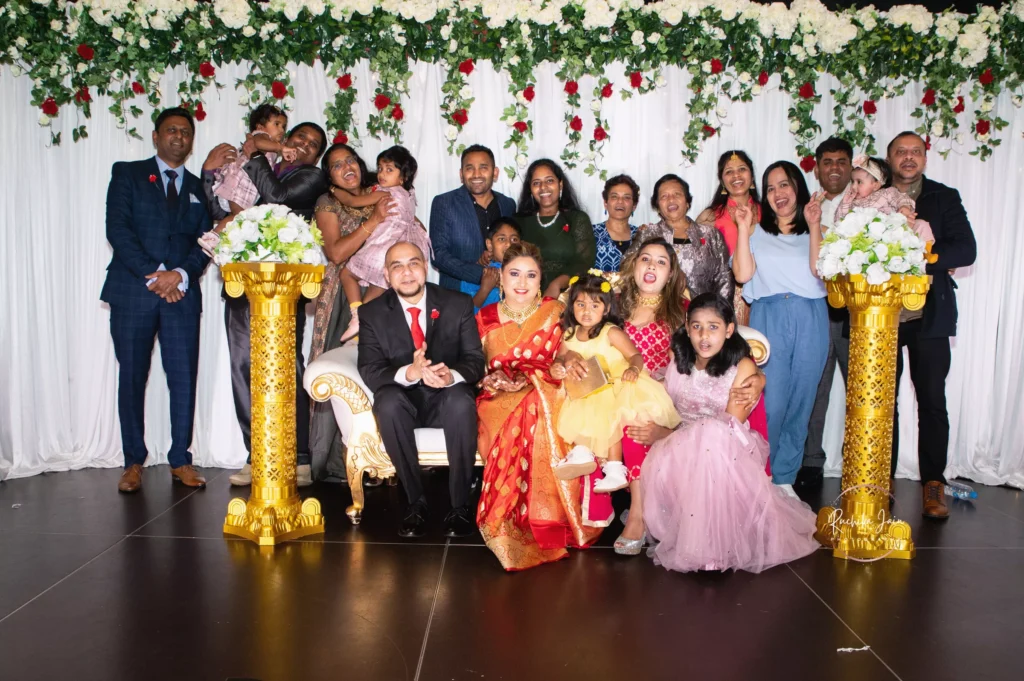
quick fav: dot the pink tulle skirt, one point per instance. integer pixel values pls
(710, 506)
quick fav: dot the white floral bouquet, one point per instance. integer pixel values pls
(871, 243)
(269, 233)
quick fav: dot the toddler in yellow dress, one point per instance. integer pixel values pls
(594, 423)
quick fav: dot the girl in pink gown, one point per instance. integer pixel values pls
(707, 501)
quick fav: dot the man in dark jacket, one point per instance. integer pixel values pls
(297, 185)
(926, 334)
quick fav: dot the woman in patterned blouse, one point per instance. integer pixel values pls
(613, 236)
(701, 249)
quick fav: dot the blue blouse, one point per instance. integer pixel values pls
(783, 266)
(609, 257)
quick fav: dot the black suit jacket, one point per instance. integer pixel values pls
(144, 234)
(954, 244)
(385, 343)
(298, 189)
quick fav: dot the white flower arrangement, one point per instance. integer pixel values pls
(270, 233)
(873, 244)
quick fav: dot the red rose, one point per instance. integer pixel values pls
(576, 124)
(599, 134)
(869, 107)
(807, 163)
(50, 107)
(152, 178)
(521, 126)
(703, 241)
(345, 81)
(85, 52)
(762, 78)
(716, 67)
(381, 102)
(397, 112)
(982, 126)
(138, 88)
(341, 138)
(528, 93)
(807, 90)
(927, 142)
(460, 117)
(986, 77)
(959, 108)
(636, 79)
(565, 228)
(466, 67)
(606, 91)
(200, 113)
(709, 131)
(83, 95)
(572, 87)
(434, 314)
(929, 98)
(278, 89)
(206, 70)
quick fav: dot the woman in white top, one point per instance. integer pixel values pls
(775, 260)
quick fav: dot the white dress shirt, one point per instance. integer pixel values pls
(422, 307)
(828, 211)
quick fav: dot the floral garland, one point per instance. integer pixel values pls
(74, 51)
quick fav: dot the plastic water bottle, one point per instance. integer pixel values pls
(959, 490)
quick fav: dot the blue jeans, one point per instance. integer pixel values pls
(797, 329)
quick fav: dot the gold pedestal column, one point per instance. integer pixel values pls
(862, 527)
(274, 512)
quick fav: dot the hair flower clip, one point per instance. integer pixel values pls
(573, 280)
(596, 272)
(606, 287)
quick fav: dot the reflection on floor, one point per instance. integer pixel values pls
(96, 585)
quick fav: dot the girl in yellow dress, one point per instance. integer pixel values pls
(594, 423)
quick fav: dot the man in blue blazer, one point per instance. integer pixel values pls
(155, 212)
(459, 219)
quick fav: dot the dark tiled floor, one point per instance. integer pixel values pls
(94, 585)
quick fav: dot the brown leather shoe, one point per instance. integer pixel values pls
(188, 476)
(934, 494)
(131, 479)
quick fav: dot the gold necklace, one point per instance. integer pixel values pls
(518, 316)
(649, 301)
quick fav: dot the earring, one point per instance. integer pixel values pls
(501, 291)
(724, 192)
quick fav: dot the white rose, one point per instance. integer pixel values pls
(311, 256)
(855, 262)
(451, 133)
(21, 42)
(986, 106)
(465, 92)
(249, 31)
(756, 89)
(876, 229)
(898, 264)
(744, 78)
(959, 138)
(828, 267)
(446, 32)
(522, 161)
(144, 43)
(881, 252)
(876, 274)
(244, 100)
(654, 38)
(453, 46)
(637, 38)
(514, 61)
(73, 26)
(839, 248)
(706, 67)
(280, 38)
(660, 81)
(521, 98)
(154, 75)
(937, 128)
(794, 126)
(81, 67)
(44, 119)
(55, 25)
(595, 105)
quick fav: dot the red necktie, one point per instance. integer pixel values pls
(417, 332)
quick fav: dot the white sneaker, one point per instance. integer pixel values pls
(242, 477)
(788, 491)
(304, 475)
(578, 462)
(614, 478)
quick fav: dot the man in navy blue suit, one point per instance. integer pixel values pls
(459, 219)
(155, 213)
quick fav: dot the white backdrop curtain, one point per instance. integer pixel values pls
(57, 368)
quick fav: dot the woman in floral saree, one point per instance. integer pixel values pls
(526, 515)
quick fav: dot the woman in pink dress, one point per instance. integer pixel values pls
(706, 499)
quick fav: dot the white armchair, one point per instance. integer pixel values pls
(334, 376)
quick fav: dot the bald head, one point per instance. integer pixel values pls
(405, 268)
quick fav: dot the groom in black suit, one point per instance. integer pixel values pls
(155, 212)
(420, 354)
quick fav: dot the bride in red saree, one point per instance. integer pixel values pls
(527, 516)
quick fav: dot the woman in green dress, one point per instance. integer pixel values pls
(550, 217)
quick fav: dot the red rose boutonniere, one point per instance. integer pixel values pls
(152, 178)
(434, 314)
(565, 228)
(703, 241)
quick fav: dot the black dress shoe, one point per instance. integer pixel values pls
(809, 477)
(459, 523)
(414, 523)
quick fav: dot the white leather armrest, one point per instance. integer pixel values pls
(334, 376)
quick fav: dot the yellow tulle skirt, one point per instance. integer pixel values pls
(596, 421)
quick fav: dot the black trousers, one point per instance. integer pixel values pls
(236, 322)
(929, 360)
(401, 410)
